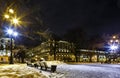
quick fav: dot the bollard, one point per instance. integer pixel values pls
(53, 68)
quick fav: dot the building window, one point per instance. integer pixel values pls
(2, 41)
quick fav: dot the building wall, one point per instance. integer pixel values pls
(4, 59)
(65, 51)
(92, 56)
(5, 49)
(58, 50)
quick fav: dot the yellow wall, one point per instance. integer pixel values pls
(4, 58)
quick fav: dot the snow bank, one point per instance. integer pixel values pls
(19, 71)
(55, 74)
(49, 63)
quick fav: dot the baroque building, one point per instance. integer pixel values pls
(58, 50)
(65, 51)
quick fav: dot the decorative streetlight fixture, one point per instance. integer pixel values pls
(114, 43)
(11, 35)
(15, 21)
(114, 46)
(9, 14)
(11, 17)
(11, 11)
(6, 16)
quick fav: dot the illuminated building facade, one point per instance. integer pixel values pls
(85, 55)
(58, 50)
(65, 51)
(5, 49)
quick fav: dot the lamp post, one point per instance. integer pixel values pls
(11, 34)
(10, 16)
(114, 45)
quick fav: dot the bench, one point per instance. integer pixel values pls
(47, 66)
(29, 63)
(43, 65)
(34, 64)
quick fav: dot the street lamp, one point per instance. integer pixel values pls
(11, 17)
(114, 43)
(6, 16)
(11, 11)
(113, 47)
(15, 21)
(11, 34)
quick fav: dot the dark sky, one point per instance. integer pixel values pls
(95, 16)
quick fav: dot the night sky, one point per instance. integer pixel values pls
(94, 16)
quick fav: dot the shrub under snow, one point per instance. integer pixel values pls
(19, 71)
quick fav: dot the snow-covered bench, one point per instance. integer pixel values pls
(51, 65)
(44, 65)
(29, 63)
(32, 64)
(48, 65)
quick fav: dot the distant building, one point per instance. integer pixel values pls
(85, 55)
(58, 50)
(65, 51)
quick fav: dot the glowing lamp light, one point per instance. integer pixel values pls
(10, 31)
(15, 34)
(113, 47)
(6, 16)
(11, 11)
(111, 41)
(116, 40)
(15, 21)
(114, 37)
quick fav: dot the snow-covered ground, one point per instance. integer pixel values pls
(19, 71)
(90, 71)
(63, 71)
(85, 71)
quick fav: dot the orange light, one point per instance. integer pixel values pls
(114, 36)
(11, 11)
(6, 16)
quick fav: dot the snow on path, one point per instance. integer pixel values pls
(90, 71)
(85, 71)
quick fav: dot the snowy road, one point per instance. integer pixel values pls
(90, 71)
